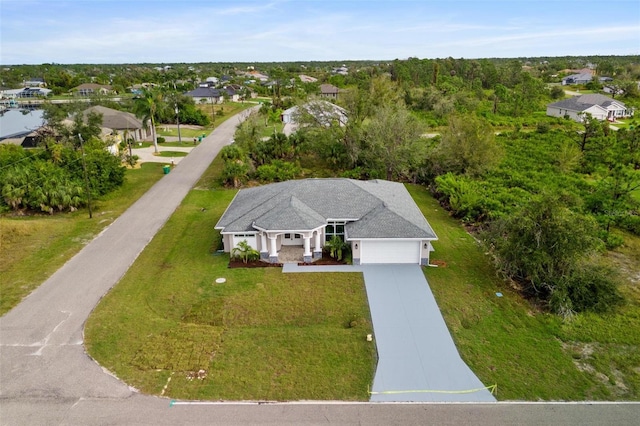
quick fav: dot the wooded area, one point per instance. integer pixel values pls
(547, 195)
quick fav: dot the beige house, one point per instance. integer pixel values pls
(90, 89)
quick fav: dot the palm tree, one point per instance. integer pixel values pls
(146, 108)
(245, 252)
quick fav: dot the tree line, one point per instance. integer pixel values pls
(544, 194)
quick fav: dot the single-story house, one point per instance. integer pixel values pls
(90, 89)
(581, 78)
(16, 124)
(35, 82)
(599, 106)
(307, 79)
(121, 121)
(329, 91)
(324, 112)
(206, 95)
(25, 92)
(343, 70)
(378, 218)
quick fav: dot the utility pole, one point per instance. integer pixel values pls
(178, 121)
(86, 177)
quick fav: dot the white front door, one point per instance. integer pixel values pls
(292, 239)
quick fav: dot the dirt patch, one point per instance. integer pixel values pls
(439, 263)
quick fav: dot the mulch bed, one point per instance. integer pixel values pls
(253, 264)
(325, 260)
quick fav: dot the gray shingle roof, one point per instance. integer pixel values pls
(114, 119)
(583, 102)
(204, 92)
(378, 208)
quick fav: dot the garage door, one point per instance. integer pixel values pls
(389, 252)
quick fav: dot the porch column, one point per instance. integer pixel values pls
(307, 247)
(264, 250)
(273, 252)
(317, 250)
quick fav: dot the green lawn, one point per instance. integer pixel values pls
(172, 154)
(33, 247)
(529, 354)
(186, 133)
(262, 335)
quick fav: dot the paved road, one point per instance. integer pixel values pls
(47, 379)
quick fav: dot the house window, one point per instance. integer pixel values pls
(334, 228)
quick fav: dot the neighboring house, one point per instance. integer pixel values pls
(34, 82)
(378, 218)
(582, 78)
(231, 94)
(15, 125)
(324, 112)
(26, 92)
(121, 121)
(90, 89)
(343, 70)
(138, 89)
(206, 95)
(329, 91)
(599, 106)
(307, 79)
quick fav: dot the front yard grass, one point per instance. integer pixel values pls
(261, 335)
(531, 355)
(34, 247)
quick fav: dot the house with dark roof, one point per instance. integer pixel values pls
(329, 91)
(580, 78)
(599, 106)
(206, 95)
(378, 218)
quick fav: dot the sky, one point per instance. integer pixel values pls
(189, 31)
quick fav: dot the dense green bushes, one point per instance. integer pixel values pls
(53, 180)
(545, 219)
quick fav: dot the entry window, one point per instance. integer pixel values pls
(334, 228)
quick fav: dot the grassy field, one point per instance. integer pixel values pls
(185, 132)
(167, 328)
(33, 247)
(530, 354)
(228, 109)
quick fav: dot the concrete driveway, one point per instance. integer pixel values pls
(418, 360)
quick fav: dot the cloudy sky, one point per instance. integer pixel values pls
(169, 31)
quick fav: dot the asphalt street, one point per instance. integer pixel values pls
(46, 378)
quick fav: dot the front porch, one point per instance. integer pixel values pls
(291, 254)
